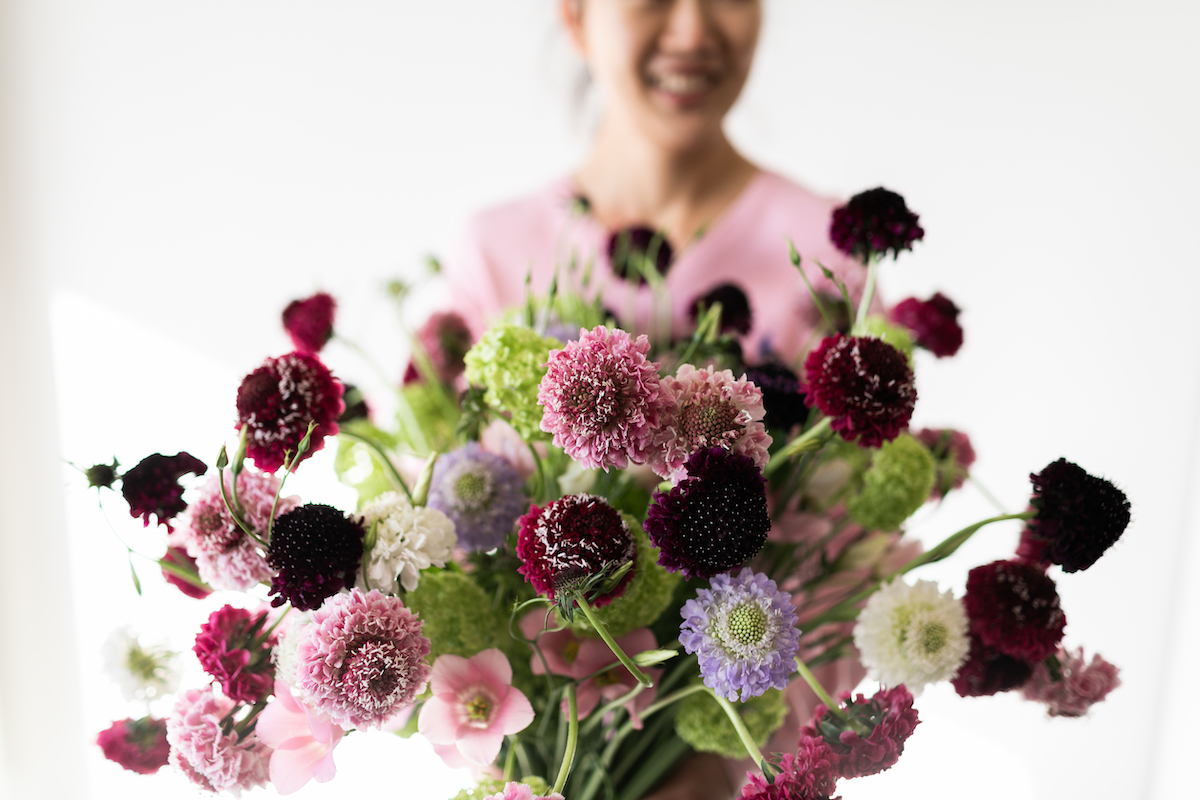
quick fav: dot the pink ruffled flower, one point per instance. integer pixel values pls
(809, 774)
(710, 409)
(602, 399)
(1082, 684)
(231, 648)
(303, 740)
(889, 717)
(521, 791)
(474, 705)
(138, 745)
(209, 753)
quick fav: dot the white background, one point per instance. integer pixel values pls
(177, 170)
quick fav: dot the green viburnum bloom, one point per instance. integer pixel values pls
(702, 723)
(509, 361)
(491, 786)
(897, 336)
(897, 483)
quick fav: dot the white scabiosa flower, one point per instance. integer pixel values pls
(913, 635)
(143, 669)
(402, 541)
(284, 653)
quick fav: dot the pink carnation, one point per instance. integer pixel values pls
(710, 409)
(1081, 685)
(810, 774)
(138, 745)
(521, 791)
(231, 647)
(602, 399)
(888, 716)
(208, 752)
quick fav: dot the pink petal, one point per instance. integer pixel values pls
(439, 720)
(494, 668)
(514, 714)
(277, 723)
(325, 769)
(482, 745)
(586, 698)
(321, 728)
(451, 674)
(291, 769)
(283, 694)
(398, 720)
(450, 755)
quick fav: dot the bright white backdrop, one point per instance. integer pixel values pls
(180, 169)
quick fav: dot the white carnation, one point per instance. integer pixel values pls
(913, 635)
(142, 668)
(285, 651)
(407, 540)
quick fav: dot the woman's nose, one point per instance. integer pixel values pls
(688, 28)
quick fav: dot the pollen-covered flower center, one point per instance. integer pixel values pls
(747, 624)
(473, 489)
(479, 708)
(145, 666)
(593, 402)
(710, 421)
(374, 675)
(932, 637)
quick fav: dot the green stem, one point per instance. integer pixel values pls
(742, 732)
(597, 716)
(267, 633)
(864, 303)
(834, 706)
(233, 511)
(812, 293)
(572, 737)
(626, 661)
(510, 760)
(811, 439)
(381, 457)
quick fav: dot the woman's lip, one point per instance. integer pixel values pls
(682, 88)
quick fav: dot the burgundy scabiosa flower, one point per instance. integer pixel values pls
(889, 717)
(1076, 687)
(1014, 607)
(809, 774)
(316, 549)
(864, 384)
(571, 540)
(138, 745)
(232, 648)
(178, 556)
(988, 671)
(152, 487)
(783, 398)
(277, 401)
(1079, 516)
(874, 223)
(362, 658)
(952, 457)
(310, 322)
(736, 316)
(714, 519)
(602, 399)
(632, 250)
(445, 339)
(934, 323)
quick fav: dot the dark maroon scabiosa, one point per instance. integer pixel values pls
(179, 557)
(231, 647)
(736, 316)
(356, 405)
(934, 323)
(152, 487)
(1014, 607)
(138, 745)
(952, 457)
(714, 519)
(310, 322)
(864, 384)
(1079, 516)
(570, 541)
(889, 718)
(277, 401)
(317, 550)
(988, 671)
(445, 339)
(874, 223)
(632, 250)
(102, 476)
(783, 398)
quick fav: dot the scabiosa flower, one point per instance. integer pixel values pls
(316, 550)
(1079, 516)
(276, 402)
(509, 362)
(102, 476)
(482, 493)
(445, 339)
(407, 540)
(138, 745)
(207, 752)
(232, 649)
(714, 519)
(710, 409)
(152, 487)
(310, 322)
(988, 671)
(934, 322)
(702, 723)
(362, 659)
(736, 316)
(179, 557)
(864, 384)
(302, 739)
(1076, 688)
(602, 399)
(810, 774)
(142, 668)
(744, 633)
(226, 558)
(1014, 608)
(782, 397)
(896, 484)
(632, 250)
(874, 223)
(913, 635)
(889, 716)
(952, 457)
(570, 540)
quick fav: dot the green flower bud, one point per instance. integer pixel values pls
(509, 362)
(897, 483)
(702, 723)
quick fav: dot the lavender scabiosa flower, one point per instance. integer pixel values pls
(744, 632)
(481, 493)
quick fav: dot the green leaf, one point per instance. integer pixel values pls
(137, 584)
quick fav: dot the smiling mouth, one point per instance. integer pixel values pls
(682, 83)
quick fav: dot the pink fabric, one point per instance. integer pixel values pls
(746, 246)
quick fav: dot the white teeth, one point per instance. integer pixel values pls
(681, 84)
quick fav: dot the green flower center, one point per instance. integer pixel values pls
(747, 624)
(472, 489)
(145, 666)
(478, 709)
(932, 637)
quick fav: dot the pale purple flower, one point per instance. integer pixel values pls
(208, 753)
(481, 493)
(744, 633)
(1081, 685)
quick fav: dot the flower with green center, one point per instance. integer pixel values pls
(143, 669)
(702, 723)
(481, 492)
(897, 483)
(509, 361)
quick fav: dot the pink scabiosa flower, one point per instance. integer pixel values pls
(874, 223)
(1014, 608)
(276, 402)
(1077, 686)
(521, 791)
(889, 717)
(310, 322)
(934, 323)
(206, 748)
(316, 550)
(952, 457)
(1079, 516)
(138, 745)
(809, 774)
(362, 659)
(864, 384)
(987, 671)
(303, 741)
(474, 705)
(602, 399)
(152, 487)
(445, 339)
(710, 409)
(232, 647)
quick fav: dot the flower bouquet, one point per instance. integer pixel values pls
(581, 555)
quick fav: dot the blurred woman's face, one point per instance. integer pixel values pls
(673, 68)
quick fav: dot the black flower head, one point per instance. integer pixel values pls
(316, 550)
(714, 519)
(864, 384)
(736, 316)
(152, 487)
(988, 671)
(783, 398)
(1079, 516)
(632, 250)
(873, 224)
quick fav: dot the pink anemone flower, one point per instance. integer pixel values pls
(303, 740)
(474, 705)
